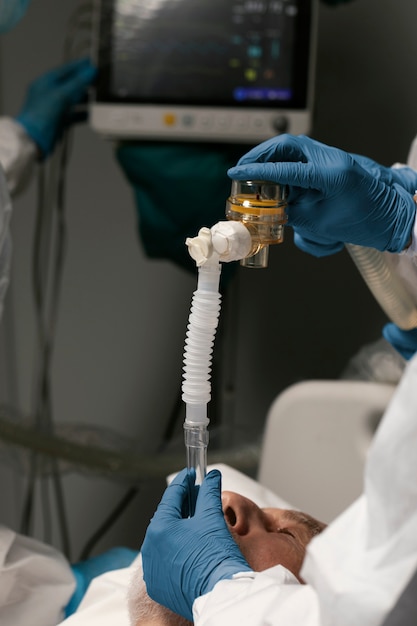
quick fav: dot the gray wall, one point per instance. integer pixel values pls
(120, 336)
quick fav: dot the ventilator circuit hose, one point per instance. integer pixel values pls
(201, 330)
(385, 285)
(196, 388)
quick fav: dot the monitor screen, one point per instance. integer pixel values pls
(238, 70)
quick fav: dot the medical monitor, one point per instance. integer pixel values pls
(203, 70)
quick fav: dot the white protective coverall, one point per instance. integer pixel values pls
(36, 581)
(17, 156)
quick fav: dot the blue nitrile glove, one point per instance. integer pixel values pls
(404, 341)
(49, 101)
(85, 571)
(11, 12)
(404, 176)
(334, 197)
(178, 188)
(183, 557)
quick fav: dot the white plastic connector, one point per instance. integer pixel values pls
(229, 240)
(200, 248)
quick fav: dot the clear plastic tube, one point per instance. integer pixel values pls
(385, 285)
(196, 389)
(196, 439)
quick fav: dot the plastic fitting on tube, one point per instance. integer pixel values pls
(261, 207)
(196, 438)
(256, 215)
(230, 241)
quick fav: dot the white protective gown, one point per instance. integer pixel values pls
(17, 156)
(36, 581)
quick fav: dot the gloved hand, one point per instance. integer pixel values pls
(49, 100)
(85, 571)
(335, 197)
(11, 12)
(404, 341)
(404, 176)
(183, 557)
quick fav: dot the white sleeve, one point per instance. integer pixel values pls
(270, 598)
(362, 563)
(17, 154)
(36, 581)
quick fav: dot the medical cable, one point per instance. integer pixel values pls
(48, 260)
(196, 388)
(125, 466)
(78, 38)
(108, 523)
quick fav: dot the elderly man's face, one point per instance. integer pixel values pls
(268, 537)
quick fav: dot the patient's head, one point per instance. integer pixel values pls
(266, 537)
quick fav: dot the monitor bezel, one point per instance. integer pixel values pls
(108, 110)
